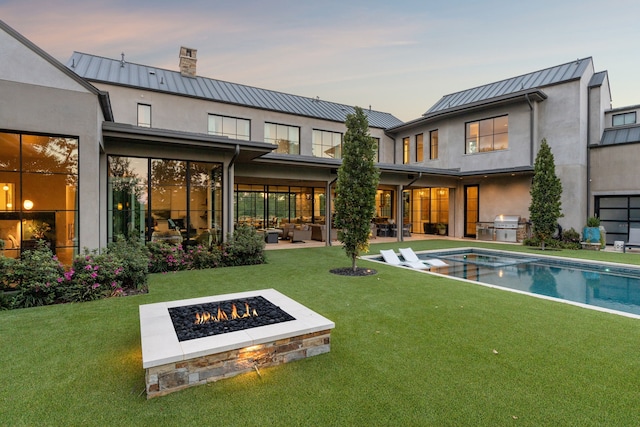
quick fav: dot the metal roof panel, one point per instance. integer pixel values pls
(536, 79)
(115, 71)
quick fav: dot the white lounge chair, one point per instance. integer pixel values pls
(391, 258)
(634, 239)
(410, 256)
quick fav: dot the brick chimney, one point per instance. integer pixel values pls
(188, 61)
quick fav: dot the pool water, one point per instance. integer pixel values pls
(606, 286)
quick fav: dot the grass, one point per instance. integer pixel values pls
(408, 349)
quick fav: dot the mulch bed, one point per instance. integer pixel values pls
(348, 271)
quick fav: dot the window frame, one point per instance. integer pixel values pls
(233, 135)
(406, 150)
(276, 139)
(419, 147)
(433, 146)
(139, 119)
(484, 135)
(322, 146)
(624, 119)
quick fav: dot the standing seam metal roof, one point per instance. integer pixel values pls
(114, 71)
(549, 76)
(623, 135)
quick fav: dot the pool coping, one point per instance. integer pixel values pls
(372, 258)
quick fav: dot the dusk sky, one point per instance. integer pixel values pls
(398, 56)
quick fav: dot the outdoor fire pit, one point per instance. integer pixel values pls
(195, 341)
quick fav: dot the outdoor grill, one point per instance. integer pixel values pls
(506, 228)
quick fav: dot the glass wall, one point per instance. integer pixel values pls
(617, 214)
(38, 193)
(429, 210)
(165, 200)
(263, 206)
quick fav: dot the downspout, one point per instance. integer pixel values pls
(531, 156)
(401, 219)
(236, 153)
(328, 211)
(588, 154)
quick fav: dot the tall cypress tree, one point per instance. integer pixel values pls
(546, 190)
(356, 187)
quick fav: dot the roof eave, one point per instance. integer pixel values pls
(536, 95)
(249, 150)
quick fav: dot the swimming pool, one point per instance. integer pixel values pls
(601, 286)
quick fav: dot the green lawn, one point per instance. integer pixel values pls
(408, 350)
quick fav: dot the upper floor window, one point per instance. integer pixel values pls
(405, 150)
(433, 151)
(287, 138)
(327, 144)
(487, 135)
(419, 148)
(230, 126)
(624, 119)
(144, 115)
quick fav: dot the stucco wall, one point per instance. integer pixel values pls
(69, 113)
(614, 169)
(191, 115)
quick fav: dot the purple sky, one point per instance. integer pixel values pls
(399, 57)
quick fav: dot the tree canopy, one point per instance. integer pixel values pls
(546, 191)
(356, 187)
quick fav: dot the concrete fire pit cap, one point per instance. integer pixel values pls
(160, 343)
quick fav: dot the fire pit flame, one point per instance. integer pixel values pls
(205, 317)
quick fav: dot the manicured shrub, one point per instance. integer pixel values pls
(200, 257)
(134, 256)
(570, 239)
(7, 268)
(92, 276)
(244, 247)
(37, 277)
(164, 257)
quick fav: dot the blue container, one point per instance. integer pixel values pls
(591, 234)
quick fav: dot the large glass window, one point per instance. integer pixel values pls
(38, 193)
(287, 138)
(262, 206)
(185, 202)
(487, 135)
(230, 126)
(433, 149)
(624, 119)
(419, 148)
(429, 210)
(327, 144)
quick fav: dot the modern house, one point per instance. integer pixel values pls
(103, 147)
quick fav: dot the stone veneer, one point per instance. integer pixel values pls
(172, 365)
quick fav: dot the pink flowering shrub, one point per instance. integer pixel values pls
(165, 257)
(92, 276)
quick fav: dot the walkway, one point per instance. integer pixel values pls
(285, 244)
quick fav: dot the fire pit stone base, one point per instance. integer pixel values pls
(165, 379)
(171, 365)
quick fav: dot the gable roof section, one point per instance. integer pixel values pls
(537, 79)
(103, 97)
(119, 72)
